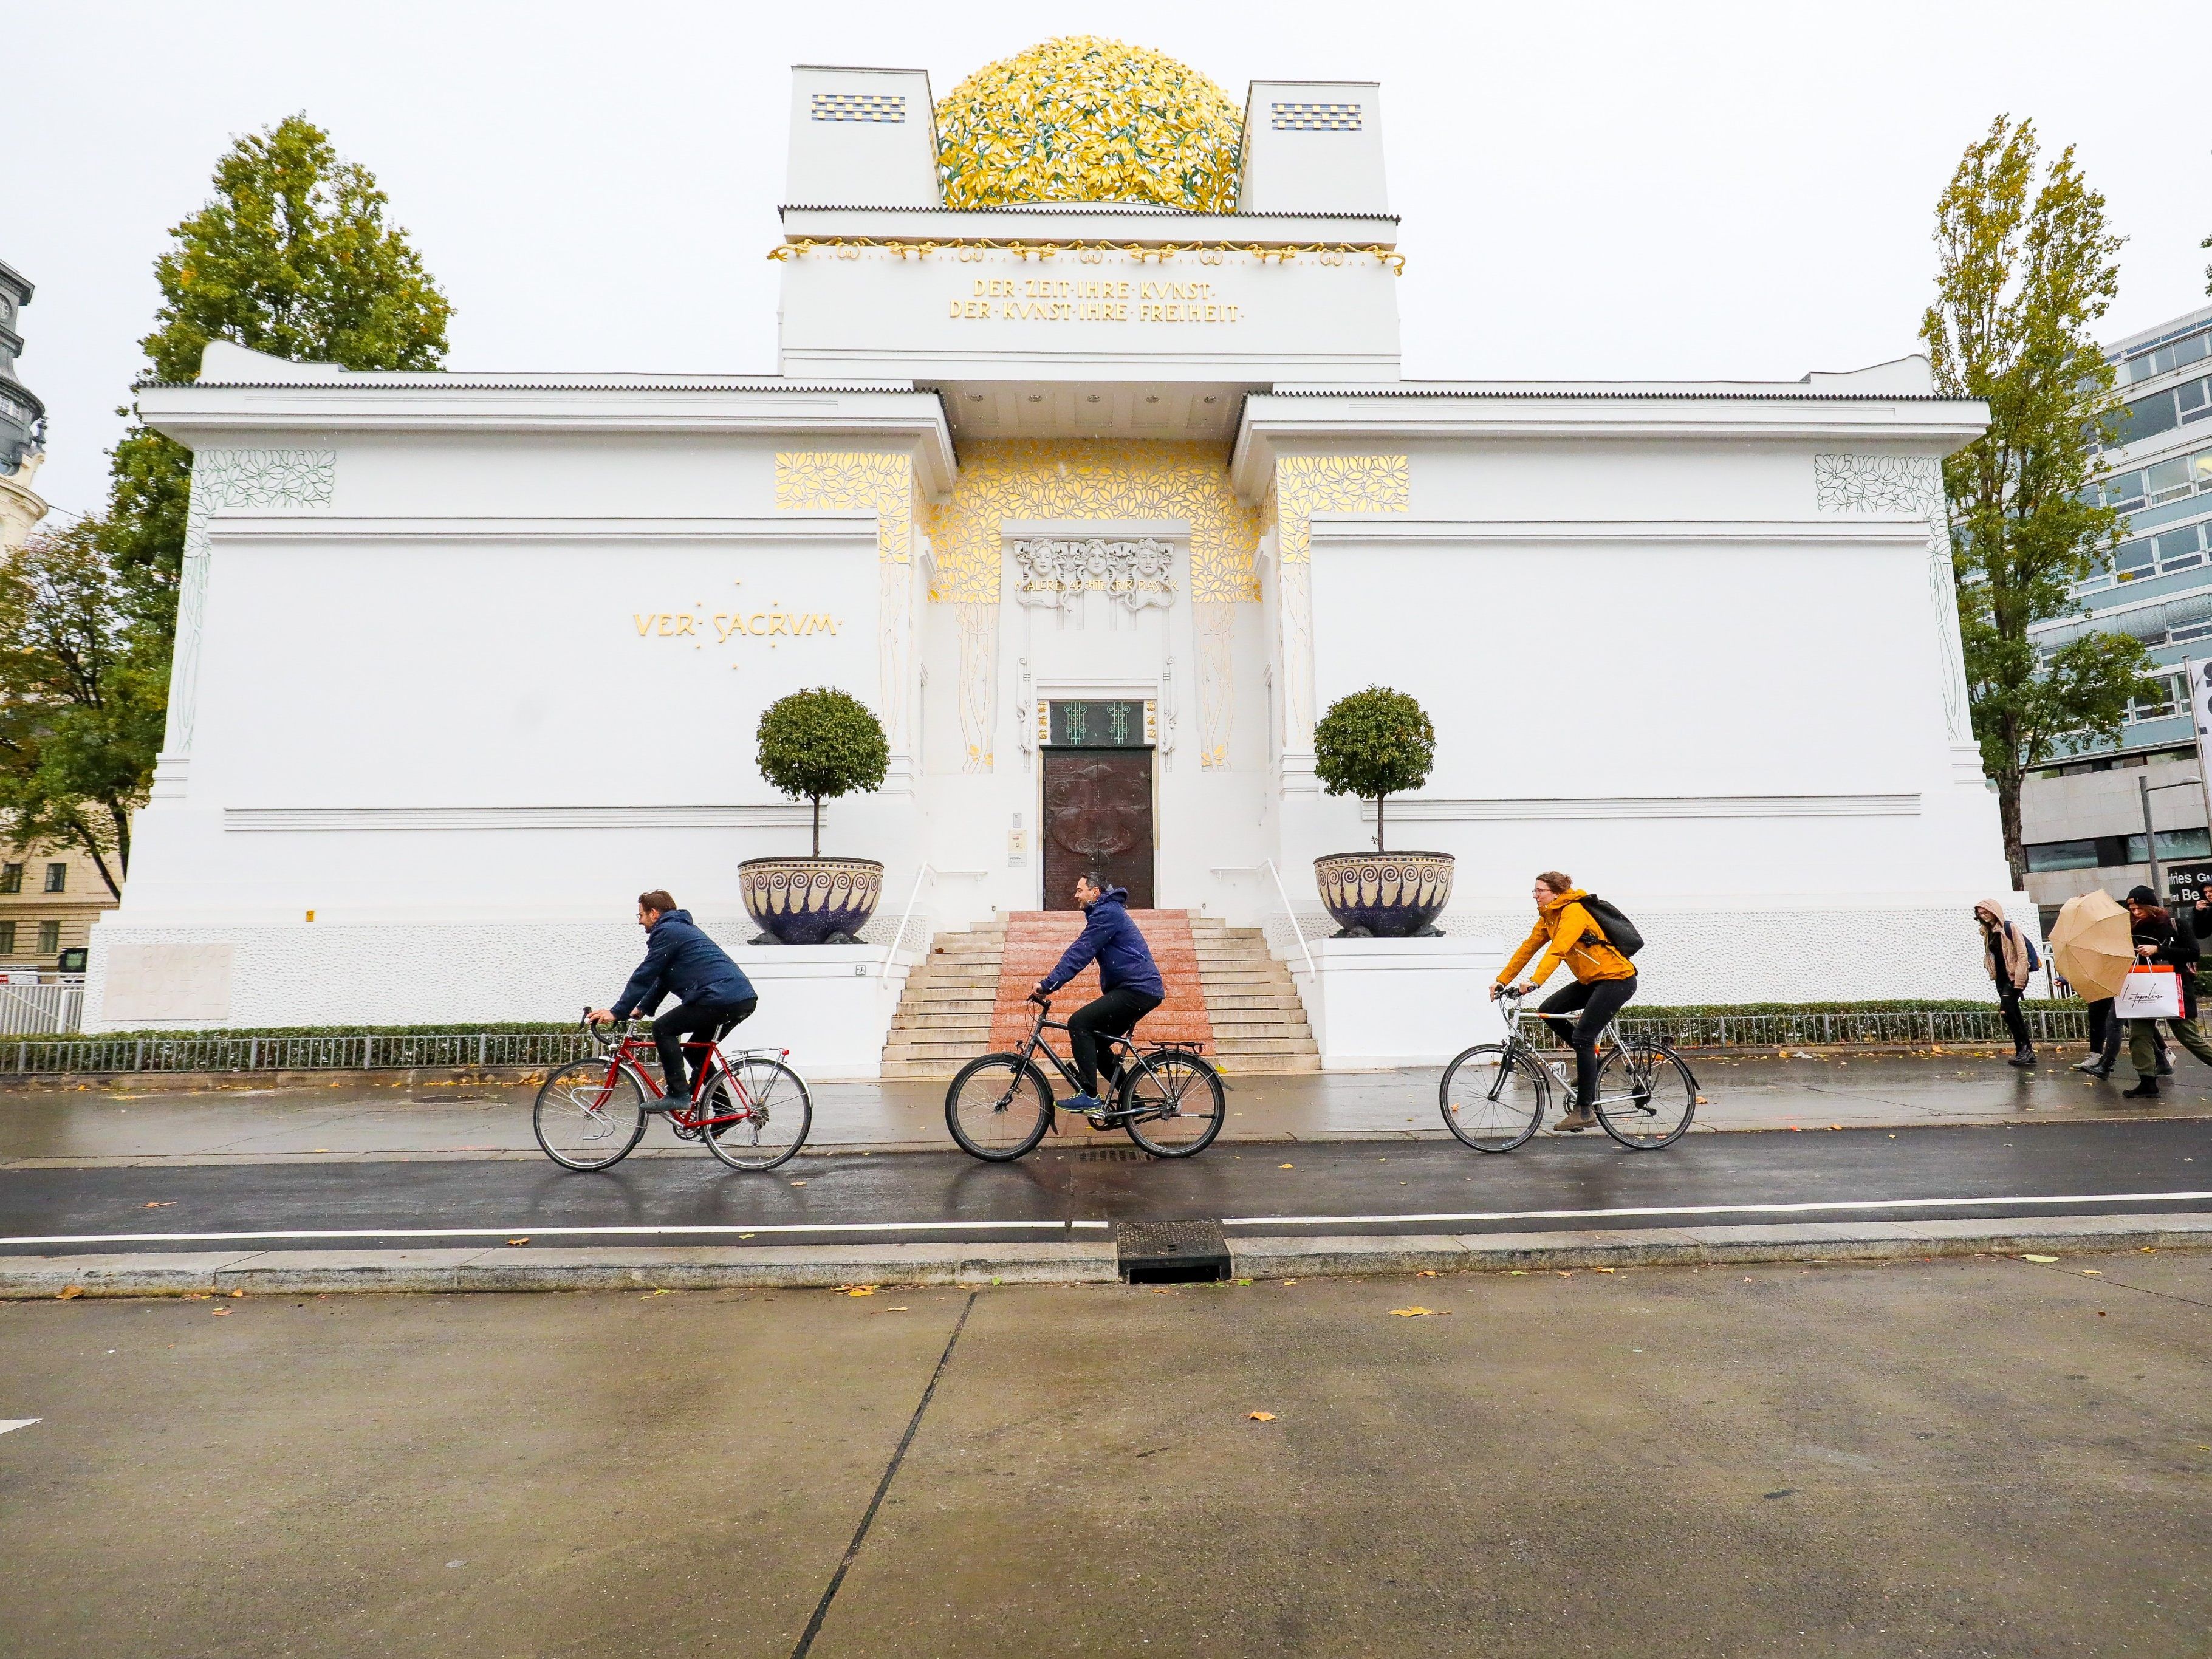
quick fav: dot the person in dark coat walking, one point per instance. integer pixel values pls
(2159, 943)
(712, 992)
(1128, 981)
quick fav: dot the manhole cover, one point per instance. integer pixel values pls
(1171, 1252)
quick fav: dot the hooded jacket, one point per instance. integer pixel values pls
(1125, 961)
(2003, 940)
(1572, 936)
(681, 961)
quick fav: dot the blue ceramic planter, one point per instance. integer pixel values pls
(1384, 895)
(808, 901)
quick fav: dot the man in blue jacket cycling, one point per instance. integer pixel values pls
(710, 990)
(1128, 977)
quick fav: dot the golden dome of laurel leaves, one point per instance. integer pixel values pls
(1084, 119)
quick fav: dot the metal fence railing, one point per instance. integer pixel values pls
(1811, 1031)
(294, 1053)
(51, 1056)
(32, 1006)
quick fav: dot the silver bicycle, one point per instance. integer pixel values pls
(1494, 1096)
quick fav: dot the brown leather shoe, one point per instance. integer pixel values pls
(1576, 1120)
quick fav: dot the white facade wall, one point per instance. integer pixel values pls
(456, 671)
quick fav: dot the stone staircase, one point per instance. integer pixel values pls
(943, 1018)
(1258, 1022)
(1250, 1014)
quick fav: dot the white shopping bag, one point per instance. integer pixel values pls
(2149, 993)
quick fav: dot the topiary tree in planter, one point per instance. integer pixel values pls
(817, 745)
(1373, 744)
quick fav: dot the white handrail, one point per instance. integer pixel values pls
(1297, 931)
(899, 937)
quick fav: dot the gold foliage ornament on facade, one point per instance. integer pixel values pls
(1084, 119)
(970, 250)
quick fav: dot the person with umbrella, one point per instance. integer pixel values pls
(2091, 944)
(2159, 945)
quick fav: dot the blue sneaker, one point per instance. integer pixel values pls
(1082, 1103)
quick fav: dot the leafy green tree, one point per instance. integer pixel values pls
(2025, 267)
(292, 256)
(1374, 743)
(80, 714)
(820, 744)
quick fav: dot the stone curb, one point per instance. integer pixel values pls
(715, 1266)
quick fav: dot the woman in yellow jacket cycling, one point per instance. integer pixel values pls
(1604, 981)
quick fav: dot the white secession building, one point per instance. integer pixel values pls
(465, 660)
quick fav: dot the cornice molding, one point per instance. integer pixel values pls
(1856, 531)
(260, 819)
(1418, 809)
(249, 525)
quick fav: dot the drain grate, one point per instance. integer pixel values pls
(1112, 1155)
(1171, 1252)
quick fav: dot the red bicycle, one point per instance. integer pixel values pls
(749, 1106)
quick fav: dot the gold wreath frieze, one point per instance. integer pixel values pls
(969, 249)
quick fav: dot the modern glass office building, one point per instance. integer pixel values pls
(2082, 819)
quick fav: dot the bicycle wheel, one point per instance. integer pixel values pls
(767, 1123)
(1493, 1097)
(589, 1114)
(1180, 1097)
(998, 1108)
(1645, 1096)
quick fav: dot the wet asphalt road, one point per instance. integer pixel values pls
(1368, 1187)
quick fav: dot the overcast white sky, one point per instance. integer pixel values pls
(1722, 191)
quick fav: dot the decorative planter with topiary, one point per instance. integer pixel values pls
(1375, 743)
(817, 745)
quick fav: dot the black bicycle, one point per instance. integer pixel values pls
(1171, 1100)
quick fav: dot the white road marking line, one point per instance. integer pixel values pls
(533, 1231)
(1705, 1209)
(8, 1425)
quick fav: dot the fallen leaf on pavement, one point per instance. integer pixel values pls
(219, 1312)
(161, 1204)
(798, 1183)
(2094, 1272)
(1288, 1282)
(658, 1290)
(1290, 1166)
(898, 1310)
(518, 1241)
(238, 1292)
(2039, 1258)
(1608, 1270)
(1427, 1272)
(1263, 1416)
(69, 1293)
(856, 1290)
(1409, 1313)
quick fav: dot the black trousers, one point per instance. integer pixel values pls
(2014, 1021)
(1115, 1014)
(1599, 1000)
(698, 1020)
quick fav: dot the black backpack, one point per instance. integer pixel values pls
(1619, 931)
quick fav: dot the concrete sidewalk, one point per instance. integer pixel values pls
(1944, 1458)
(135, 1122)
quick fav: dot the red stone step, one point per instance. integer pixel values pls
(1036, 939)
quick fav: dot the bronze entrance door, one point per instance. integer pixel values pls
(1098, 815)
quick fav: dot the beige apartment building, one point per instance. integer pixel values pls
(49, 898)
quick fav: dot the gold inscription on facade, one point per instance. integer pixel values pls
(1092, 300)
(727, 625)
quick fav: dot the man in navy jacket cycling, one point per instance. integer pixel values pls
(1127, 976)
(710, 990)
